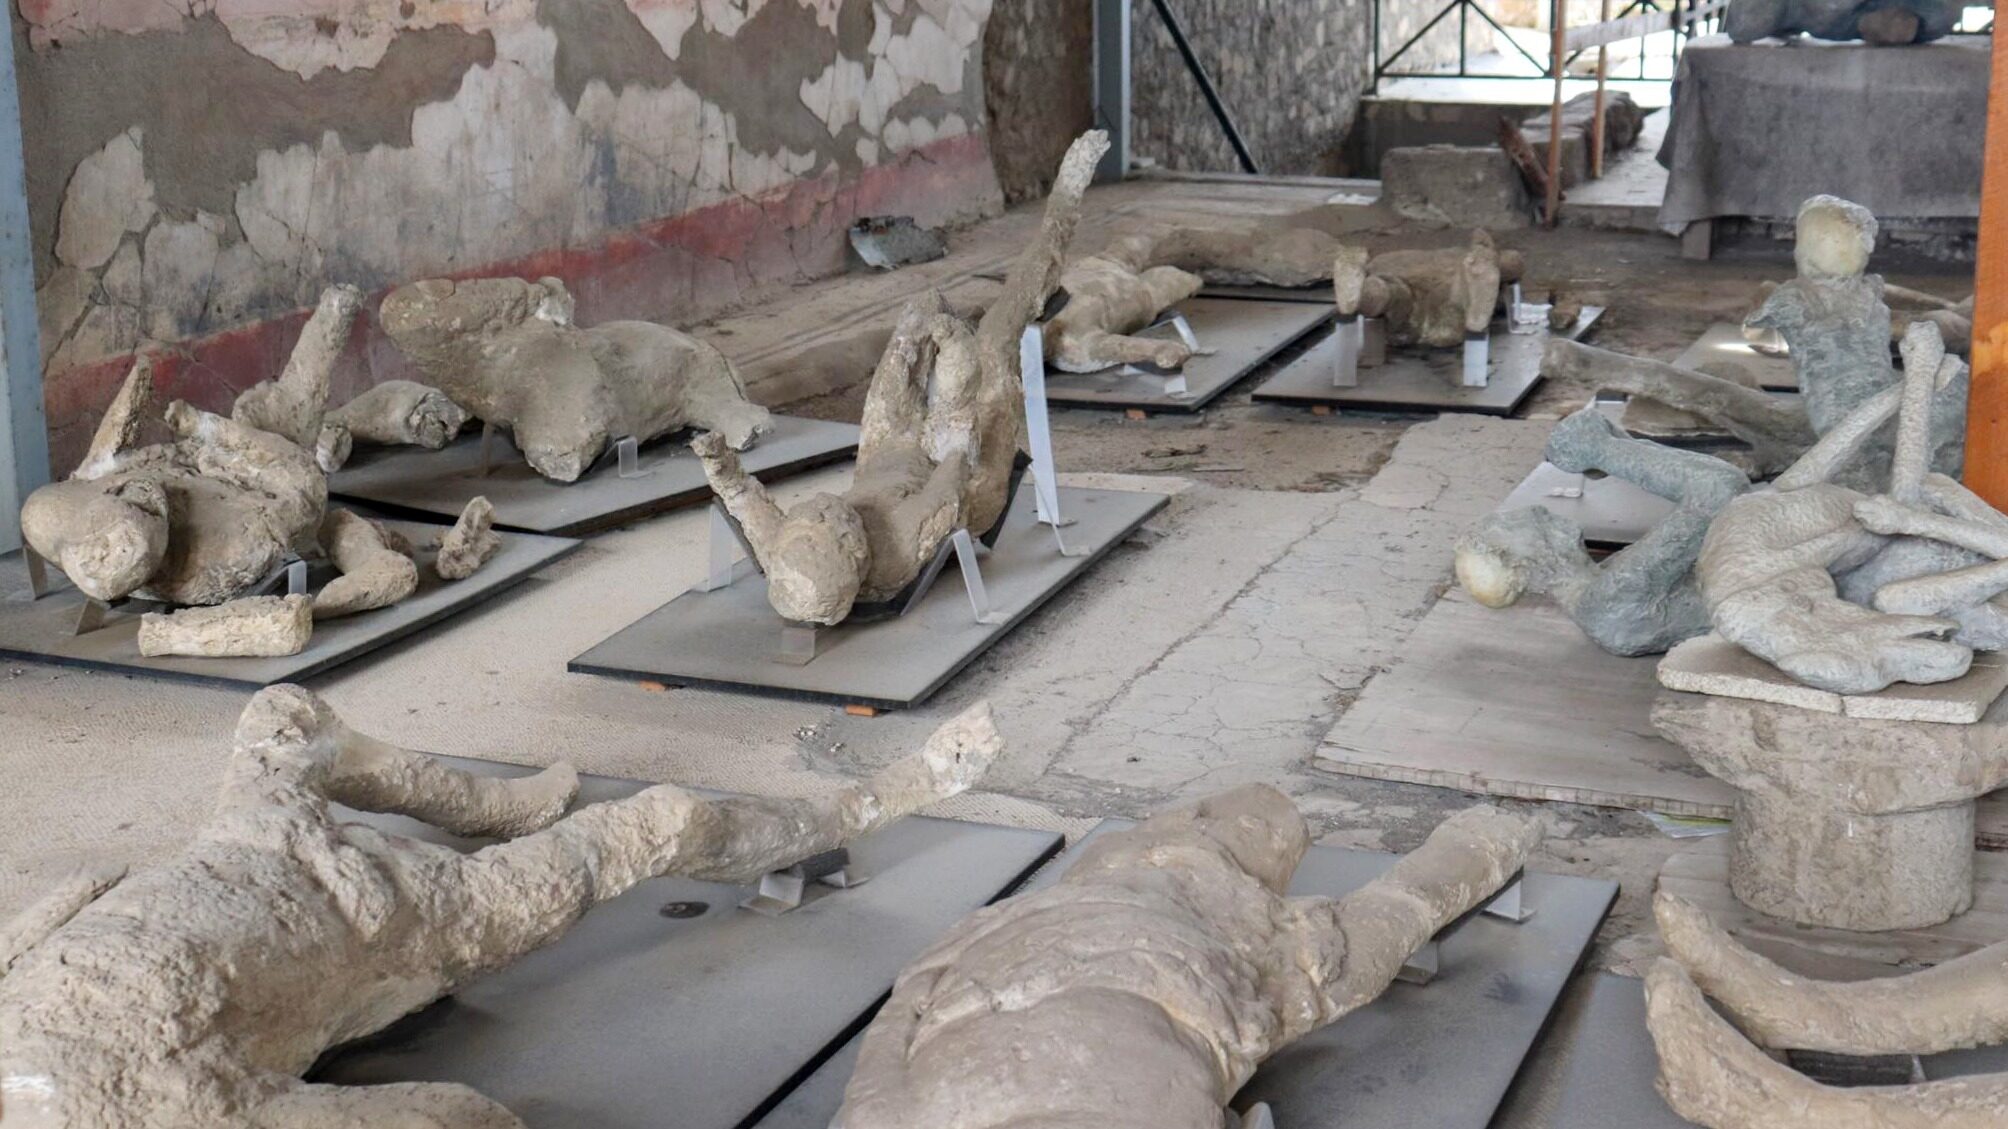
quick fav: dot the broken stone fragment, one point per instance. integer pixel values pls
(471, 543)
(376, 567)
(249, 627)
(1455, 186)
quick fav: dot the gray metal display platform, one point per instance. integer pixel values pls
(1421, 380)
(1723, 351)
(729, 638)
(1613, 513)
(1596, 1068)
(44, 630)
(1242, 335)
(438, 484)
(1436, 1056)
(1318, 293)
(672, 1006)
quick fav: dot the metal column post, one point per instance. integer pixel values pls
(1112, 85)
(24, 431)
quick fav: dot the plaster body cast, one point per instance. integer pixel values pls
(193, 994)
(1142, 989)
(943, 429)
(1429, 298)
(505, 349)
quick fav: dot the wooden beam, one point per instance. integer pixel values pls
(1597, 112)
(1987, 402)
(1632, 27)
(1556, 61)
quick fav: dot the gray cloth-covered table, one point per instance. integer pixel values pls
(1759, 127)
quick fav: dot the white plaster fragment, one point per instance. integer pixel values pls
(109, 195)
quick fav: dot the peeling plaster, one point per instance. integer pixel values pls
(560, 133)
(109, 195)
(308, 36)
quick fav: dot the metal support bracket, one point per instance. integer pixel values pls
(1351, 336)
(1175, 385)
(1259, 1116)
(731, 558)
(1477, 360)
(1526, 318)
(972, 577)
(487, 448)
(291, 575)
(627, 455)
(1509, 904)
(1039, 436)
(38, 573)
(784, 890)
(800, 641)
(96, 613)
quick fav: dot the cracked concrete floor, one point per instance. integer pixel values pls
(1216, 647)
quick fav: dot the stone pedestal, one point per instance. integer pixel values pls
(1844, 822)
(1818, 864)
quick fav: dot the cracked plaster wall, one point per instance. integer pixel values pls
(200, 169)
(1290, 71)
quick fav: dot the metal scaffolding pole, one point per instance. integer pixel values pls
(24, 429)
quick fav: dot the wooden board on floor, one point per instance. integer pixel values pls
(1700, 874)
(1518, 702)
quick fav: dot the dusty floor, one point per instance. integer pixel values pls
(1215, 648)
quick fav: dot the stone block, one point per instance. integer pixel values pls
(1844, 822)
(1456, 186)
(1710, 664)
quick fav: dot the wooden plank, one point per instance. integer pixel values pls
(1556, 53)
(1610, 31)
(1517, 702)
(1700, 873)
(1987, 402)
(1597, 114)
